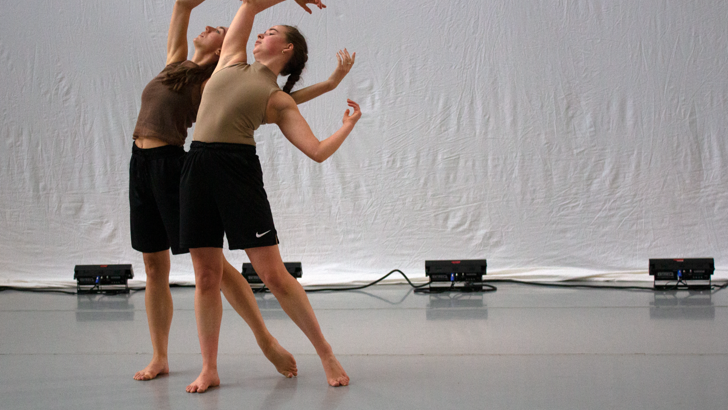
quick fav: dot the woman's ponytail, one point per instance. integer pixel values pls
(296, 64)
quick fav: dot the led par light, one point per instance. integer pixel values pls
(102, 278)
(682, 273)
(456, 273)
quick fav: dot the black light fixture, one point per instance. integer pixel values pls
(102, 278)
(294, 268)
(462, 274)
(693, 273)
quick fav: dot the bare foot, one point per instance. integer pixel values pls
(206, 379)
(154, 368)
(335, 374)
(281, 359)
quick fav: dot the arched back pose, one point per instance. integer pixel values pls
(221, 191)
(169, 106)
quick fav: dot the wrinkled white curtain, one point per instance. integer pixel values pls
(552, 138)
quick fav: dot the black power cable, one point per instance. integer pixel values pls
(714, 287)
(569, 285)
(721, 287)
(340, 289)
(418, 288)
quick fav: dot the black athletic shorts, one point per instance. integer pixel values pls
(154, 198)
(221, 193)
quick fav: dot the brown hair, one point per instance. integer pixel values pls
(295, 65)
(185, 74)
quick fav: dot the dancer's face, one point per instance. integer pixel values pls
(210, 39)
(272, 42)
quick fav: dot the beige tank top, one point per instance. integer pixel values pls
(234, 103)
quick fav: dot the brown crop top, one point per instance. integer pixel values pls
(166, 114)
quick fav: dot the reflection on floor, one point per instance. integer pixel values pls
(521, 347)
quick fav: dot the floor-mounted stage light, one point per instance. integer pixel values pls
(682, 273)
(464, 275)
(294, 268)
(102, 278)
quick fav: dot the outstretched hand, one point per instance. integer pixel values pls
(346, 61)
(351, 119)
(317, 3)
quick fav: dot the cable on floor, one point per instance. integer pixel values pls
(676, 286)
(341, 289)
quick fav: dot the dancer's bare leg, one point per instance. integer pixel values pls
(158, 301)
(269, 266)
(208, 263)
(238, 292)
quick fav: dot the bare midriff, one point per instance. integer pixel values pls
(149, 142)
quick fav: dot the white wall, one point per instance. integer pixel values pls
(546, 136)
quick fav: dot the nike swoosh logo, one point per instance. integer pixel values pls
(260, 235)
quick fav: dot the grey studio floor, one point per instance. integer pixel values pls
(521, 347)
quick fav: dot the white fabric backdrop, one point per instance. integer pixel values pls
(556, 139)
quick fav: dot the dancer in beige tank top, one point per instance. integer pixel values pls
(221, 189)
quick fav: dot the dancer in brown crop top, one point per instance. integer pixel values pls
(169, 106)
(220, 133)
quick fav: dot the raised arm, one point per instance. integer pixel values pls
(177, 36)
(345, 62)
(295, 128)
(234, 47)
